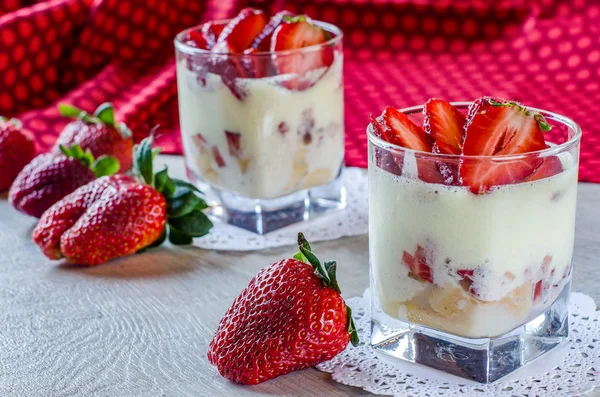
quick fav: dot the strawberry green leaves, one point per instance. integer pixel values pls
(185, 207)
(102, 166)
(327, 274)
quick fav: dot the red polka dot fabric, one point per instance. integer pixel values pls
(545, 53)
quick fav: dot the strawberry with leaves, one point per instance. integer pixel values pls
(119, 215)
(98, 132)
(17, 148)
(291, 316)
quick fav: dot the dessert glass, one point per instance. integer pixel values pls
(267, 149)
(476, 285)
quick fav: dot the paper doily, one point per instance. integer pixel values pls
(570, 370)
(351, 221)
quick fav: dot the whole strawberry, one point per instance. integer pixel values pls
(118, 215)
(98, 133)
(291, 316)
(50, 177)
(16, 150)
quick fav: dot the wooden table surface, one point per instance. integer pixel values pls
(140, 326)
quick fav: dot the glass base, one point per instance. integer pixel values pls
(483, 360)
(262, 216)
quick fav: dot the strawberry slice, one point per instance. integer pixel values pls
(262, 42)
(299, 32)
(218, 157)
(537, 291)
(550, 167)
(196, 39)
(243, 29)
(445, 125)
(384, 159)
(500, 128)
(401, 131)
(211, 32)
(417, 264)
(233, 143)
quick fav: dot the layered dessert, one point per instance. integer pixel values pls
(471, 216)
(261, 103)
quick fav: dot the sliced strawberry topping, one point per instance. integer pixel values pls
(218, 158)
(385, 160)
(196, 39)
(400, 130)
(496, 128)
(417, 264)
(243, 29)
(550, 167)
(210, 32)
(295, 33)
(233, 142)
(403, 132)
(262, 42)
(445, 125)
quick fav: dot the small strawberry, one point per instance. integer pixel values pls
(291, 316)
(118, 215)
(262, 42)
(49, 177)
(243, 29)
(497, 128)
(98, 132)
(295, 33)
(17, 148)
(417, 264)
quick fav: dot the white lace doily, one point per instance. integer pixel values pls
(351, 221)
(570, 370)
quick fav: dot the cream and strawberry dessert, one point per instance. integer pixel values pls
(470, 245)
(261, 103)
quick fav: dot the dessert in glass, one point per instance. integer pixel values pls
(471, 229)
(262, 117)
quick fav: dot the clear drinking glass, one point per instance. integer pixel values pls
(475, 285)
(266, 148)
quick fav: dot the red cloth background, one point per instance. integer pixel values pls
(544, 53)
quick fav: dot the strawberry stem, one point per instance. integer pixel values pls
(104, 114)
(327, 274)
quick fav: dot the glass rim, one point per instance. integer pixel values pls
(180, 45)
(552, 150)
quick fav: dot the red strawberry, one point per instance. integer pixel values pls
(550, 167)
(233, 143)
(197, 39)
(262, 42)
(16, 150)
(403, 132)
(210, 32)
(400, 130)
(291, 316)
(384, 159)
(218, 157)
(117, 215)
(500, 128)
(445, 125)
(229, 68)
(50, 177)
(299, 32)
(243, 29)
(417, 264)
(98, 133)
(537, 291)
